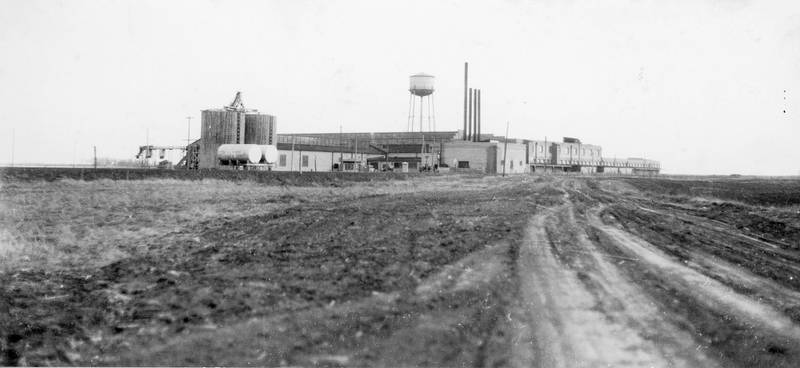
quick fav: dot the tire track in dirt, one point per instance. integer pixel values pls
(702, 288)
(582, 312)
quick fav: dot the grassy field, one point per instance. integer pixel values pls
(94, 264)
(438, 270)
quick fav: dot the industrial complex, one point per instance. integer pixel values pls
(235, 137)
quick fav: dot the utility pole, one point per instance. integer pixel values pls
(505, 150)
(147, 143)
(341, 149)
(355, 153)
(95, 157)
(188, 132)
(291, 158)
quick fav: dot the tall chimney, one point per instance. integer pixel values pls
(474, 114)
(478, 135)
(469, 126)
(466, 70)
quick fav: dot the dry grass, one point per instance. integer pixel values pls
(71, 223)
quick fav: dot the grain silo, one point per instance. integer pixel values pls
(219, 126)
(259, 129)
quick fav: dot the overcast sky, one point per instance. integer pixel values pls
(697, 85)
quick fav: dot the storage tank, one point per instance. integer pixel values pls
(269, 154)
(232, 154)
(421, 84)
(219, 127)
(259, 129)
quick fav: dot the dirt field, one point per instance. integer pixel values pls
(406, 270)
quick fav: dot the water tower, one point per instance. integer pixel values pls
(421, 85)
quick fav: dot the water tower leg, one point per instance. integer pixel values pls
(410, 122)
(413, 111)
(433, 112)
(429, 112)
(421, 110)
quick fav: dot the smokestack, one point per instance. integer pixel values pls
(466, 73)
(478, 135)
(469, 126)
(475, 114)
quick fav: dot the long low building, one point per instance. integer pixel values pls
(419, 151)
(414, 151)
(408, 151)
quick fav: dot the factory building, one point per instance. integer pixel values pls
(239, 138)
(364, 151)
(488, 157)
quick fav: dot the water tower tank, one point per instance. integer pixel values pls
(421, 84)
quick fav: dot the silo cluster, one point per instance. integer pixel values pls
(259, 129)
(228, 126)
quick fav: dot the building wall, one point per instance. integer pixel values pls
(487, 156)
(592, 153)
(515, 155)
(560, 153)
(479, 155)
(538, 152)
(306, 161)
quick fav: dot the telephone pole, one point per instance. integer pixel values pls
(188, 132)
(505, 150)
(341, 148)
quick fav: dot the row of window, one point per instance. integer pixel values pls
(565, 150)
(282, 160)
(511, 163)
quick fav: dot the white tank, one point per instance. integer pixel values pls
(269, 154)
(421, 84)
(245, 153)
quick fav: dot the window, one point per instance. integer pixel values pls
(305, 160)
(512, 164)
(463, 164)
(282, 160)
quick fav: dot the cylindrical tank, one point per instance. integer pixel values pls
(269, 154)
(421, 84)
(239, 153)
(257, 129)
(219, 127)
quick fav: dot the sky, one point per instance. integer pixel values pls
(704, 86)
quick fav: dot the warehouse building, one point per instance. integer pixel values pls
(233, 136)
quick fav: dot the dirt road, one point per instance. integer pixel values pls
(597, 294)
(443, 271)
